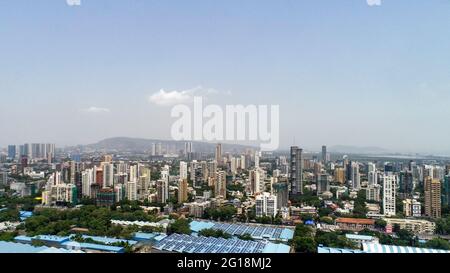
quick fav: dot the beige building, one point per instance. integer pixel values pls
(413, 225)
(432, 197)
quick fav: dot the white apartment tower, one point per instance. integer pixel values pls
(389, 193)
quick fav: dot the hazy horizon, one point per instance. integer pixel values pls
(343, 72)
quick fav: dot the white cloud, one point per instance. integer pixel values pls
(94, 109)
(374, 2)
(73, 2)
(167, 98)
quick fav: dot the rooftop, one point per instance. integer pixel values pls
(359, 237)
(378, 248)
(258, 232)
(105, 248)
(193, 244)
(107, 240)
(10, 247)
(355, 221)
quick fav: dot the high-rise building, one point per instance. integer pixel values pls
(3, 178)
(220, 187)
(183, 170)
(389, 193)
(446, 191)
(106, 197)
(12, 152)
(87, 179)
(108, 175)
(324, 155)
(432, 197)
(162, 188)
(281, 190)
(339, 175)
(132, 191)
(188, 149)
(159, 149)
(218, 154)
(373, 193)
(182, 191)
(296, 171)
(372, 174)
(243, 160)
(107, 158)
(355, 176)
(153, 149)
(406, 183)
(412, 208)
(322, 183)
(256, 185)
(266, 205)
(256, 160)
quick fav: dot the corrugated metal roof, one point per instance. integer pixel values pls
(107, 240)
(10, 247)
(77, 246)
(378, 248)
(276, 249)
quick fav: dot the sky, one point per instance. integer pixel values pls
(344, 72)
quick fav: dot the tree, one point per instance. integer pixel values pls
(381, 224)
(246, 237)
(214, 233)
(180, 226)
(305, 245)
(438, 243)
(333, 239)
(8, 236)
(303, 231)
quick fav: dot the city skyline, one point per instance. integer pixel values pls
(343, 73)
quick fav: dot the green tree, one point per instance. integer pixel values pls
(305, 245)
(438, 243)
(180, 226)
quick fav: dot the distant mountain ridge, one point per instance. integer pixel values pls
(141, 144)
(357, 150)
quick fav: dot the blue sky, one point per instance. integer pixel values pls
(343, 72)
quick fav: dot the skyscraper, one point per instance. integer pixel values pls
(108, 175)
(188, 149)
(3, 178)
(183, 170)
(296, 171)
(282, 193)
(87, 179)
(389, 193)
(324, 155)
(153, 149)
(355, 176)
(372, 173)
(255, 182)
(218, 154)
(446, 191)
(432, 197)
(220, 184)
(12, 152)
(322, 183)
(182, 191)
(132, 191)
